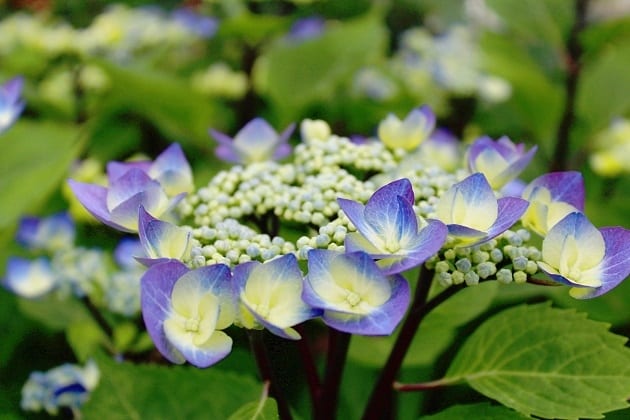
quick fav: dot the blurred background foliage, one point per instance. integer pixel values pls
(110, 80)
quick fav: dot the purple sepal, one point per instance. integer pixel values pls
(566, 186)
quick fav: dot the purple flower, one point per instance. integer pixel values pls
(271, 296)
(162, 240)
(500, 161)
(126, 253)
(29, 279)
(117, 205)
(591, 260)
(48, 234)
(11, 105)
(472, 213)
(256, 142)
(203, 26)
(353, 293)
(186, 310)
(389, 230)
(171, 169)
(552, 197)
(307, 28)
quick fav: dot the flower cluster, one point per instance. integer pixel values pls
(66, 386)
(361, 214)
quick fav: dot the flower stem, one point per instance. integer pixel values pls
(328, 398)
(308, 364)
(574, 68)
(424, 386)
(381, 398)
(98, 317)
(266, 371)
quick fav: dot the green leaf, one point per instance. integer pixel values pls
(295, 74)
(265, 409)
(546, 362)
(437, 331)
(54, 312)
(483, 411)
(85, 338)
(128, 391)
(35, 158)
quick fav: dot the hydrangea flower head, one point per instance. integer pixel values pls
(552, 197)
(473, 214)
(11, 105)
(500, 161)
(117, 205)
(271, 295)
(389, 230)
(67, 385)
(591, 260)
(29, 278)
(185, 310)
(353, 293)
(162, 240)
(50, 233)
(408, 133)
(257, 141)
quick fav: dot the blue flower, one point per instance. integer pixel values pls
(408, 133)
(591, 260)
(186, 310)
(29, 279)
(271, 296)
(162, 240)
(552, 197)
(500, 161)
(473, 214)
(46, 234)
(257, 141)
(389, 230)
(353, 293)
(11, 105)
(67, 386)
(203, 26)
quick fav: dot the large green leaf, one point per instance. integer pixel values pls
(295, 74)
(265, 409)
(437, 331)
(546, 362)
(35, 157)
(128, 391)
(483, 411)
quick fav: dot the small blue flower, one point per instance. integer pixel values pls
(67, 386)
(500, 161)
(257, 141)
(46, 234)
(185, 310)
(271, 296)
(552, 197)
(29, 278)
(408, 133)
(353, 293)
(389, 230)
(162, 240)
(473, 214)
(11, 105)
(203, 26)
(126, 252)
(591, 260)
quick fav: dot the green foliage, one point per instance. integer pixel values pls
(297, 74)
(29, 167)
(54, 312)
(546, 362)
(128, 391)
(437, 331)
(481, 411)
(265, 409)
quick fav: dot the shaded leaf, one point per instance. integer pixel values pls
(546, 362)
(266, 409)
(479, 411)
(128, 391)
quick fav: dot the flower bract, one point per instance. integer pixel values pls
(353, 293)
(591, 260)
(11, 105)
(257, 141)
(50, 233)
(408, 133)
(473, 214)
(185, 310)
(162, 240)
(29, 279)
(500, 161)
(271, 295)
(389, 230)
